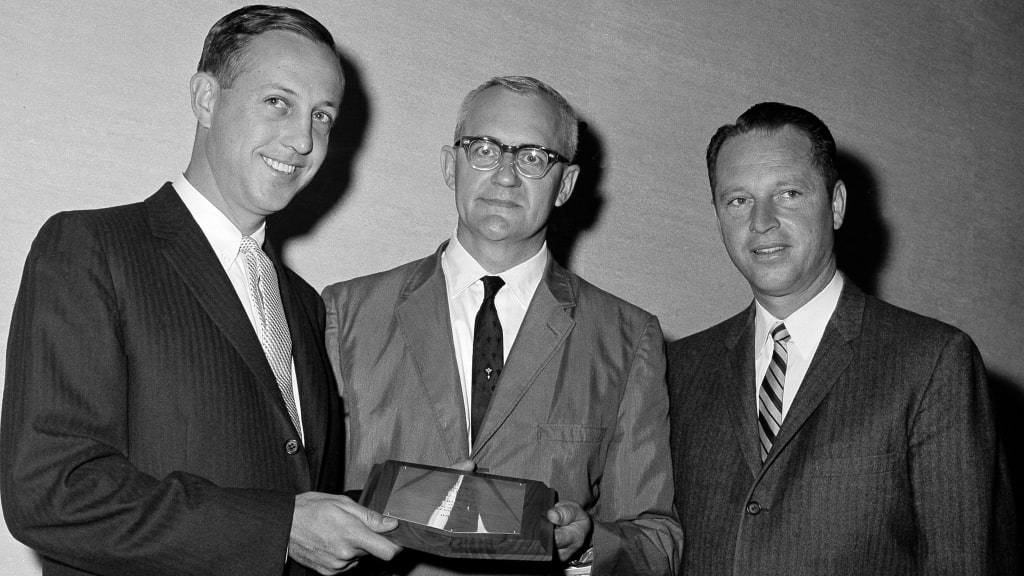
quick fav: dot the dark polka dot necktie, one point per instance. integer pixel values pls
(488, 353)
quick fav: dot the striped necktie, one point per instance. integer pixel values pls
(274, 333)
(769, 396)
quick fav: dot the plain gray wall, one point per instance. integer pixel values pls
(924, 99)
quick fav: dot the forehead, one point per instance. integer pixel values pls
(513, 118)
(285, 59)
(783, 155)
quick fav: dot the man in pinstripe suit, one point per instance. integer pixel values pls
(144, 430)
(823, 431)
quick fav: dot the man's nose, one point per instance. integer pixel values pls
(506, 174)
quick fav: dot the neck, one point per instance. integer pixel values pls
(497, 257)
(782, 306)
(203, 181)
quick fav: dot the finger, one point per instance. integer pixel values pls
(562, 514)
(375, 545)
(346, 566)
(562, 537)
(567, 542)
(370, 518)
(464, 466)
(380, 523)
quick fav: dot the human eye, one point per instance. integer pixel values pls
(789, 194)
(532, 156)
(736, 201)
(277, 105)
(485, 150)
(325, 120)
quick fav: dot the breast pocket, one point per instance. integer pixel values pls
(574, 458)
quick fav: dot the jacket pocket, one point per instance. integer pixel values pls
(857, 465)
(570, 432)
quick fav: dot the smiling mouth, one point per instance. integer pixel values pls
(278, 166)
(768, 251)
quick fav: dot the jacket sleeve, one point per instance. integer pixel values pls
(68, 487)
(961, 496)
(636, 530)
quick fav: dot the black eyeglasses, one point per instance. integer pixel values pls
(530, 161)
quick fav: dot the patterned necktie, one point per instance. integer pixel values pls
(275, 336)
(488, 352)
(769, 397)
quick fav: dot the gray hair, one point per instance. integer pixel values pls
(569, 123)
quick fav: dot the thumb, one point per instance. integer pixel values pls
(374, 520)
(563, 513)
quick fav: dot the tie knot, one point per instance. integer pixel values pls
(779, 333)
(249, 245)
(491, 285)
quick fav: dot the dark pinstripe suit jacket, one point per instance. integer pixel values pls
(885, 464)
(142, 429)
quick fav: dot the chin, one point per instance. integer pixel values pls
(495, 228)
(770, 284)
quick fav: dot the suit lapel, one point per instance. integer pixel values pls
(548, 321)
(191, 256)
(831, 359)
(736, 385)
(425, 322)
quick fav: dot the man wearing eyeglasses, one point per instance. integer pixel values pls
(489, 351)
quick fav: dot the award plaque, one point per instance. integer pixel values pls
(463, 515)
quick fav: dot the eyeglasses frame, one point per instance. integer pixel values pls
(464, 142)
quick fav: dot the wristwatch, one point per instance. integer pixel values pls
(581, 565)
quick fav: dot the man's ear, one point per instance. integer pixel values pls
(838, 204)
(567, 184)
(448, 165)
(204, 90)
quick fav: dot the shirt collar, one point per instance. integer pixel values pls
(462, 270)
(807, 324)
(220, 232)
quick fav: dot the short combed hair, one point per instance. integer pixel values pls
(770, 117)
(224, 48)
(569, 129)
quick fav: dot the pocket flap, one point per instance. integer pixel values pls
(571, 432)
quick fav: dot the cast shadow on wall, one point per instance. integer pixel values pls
(335, 175)
(862, 243)
(1007, 399)
(862, 246)
(580, 213)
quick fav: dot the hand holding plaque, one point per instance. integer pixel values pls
(461, 514)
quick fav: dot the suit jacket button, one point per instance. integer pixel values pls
(753, 508)
(291, 446)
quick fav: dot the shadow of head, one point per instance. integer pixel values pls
(335, 175)
(568, 222)
(862, 242)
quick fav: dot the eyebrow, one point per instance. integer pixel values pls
(289, 91)
(792, 182)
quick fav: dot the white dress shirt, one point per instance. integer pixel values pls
(462, 274)
(806, 326)
(225, 239)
